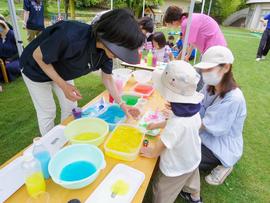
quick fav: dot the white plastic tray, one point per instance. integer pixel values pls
(103, 193)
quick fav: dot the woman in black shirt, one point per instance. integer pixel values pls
(68, 50)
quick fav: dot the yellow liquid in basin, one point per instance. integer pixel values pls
(86, 136)
(125, 139)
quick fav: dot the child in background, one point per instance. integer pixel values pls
(179, 47)
(179, 146)
(147, 26)
(170, 41)
(160, 47)
(179, 43)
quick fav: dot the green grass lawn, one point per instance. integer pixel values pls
(249, 182)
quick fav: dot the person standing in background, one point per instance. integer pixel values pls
(33, 18)
(264, 45)
(204, 30)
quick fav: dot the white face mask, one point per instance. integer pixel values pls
(212, 77)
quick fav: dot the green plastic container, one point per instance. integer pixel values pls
(130, 99)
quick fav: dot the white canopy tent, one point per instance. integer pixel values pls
(18, 37)
(185, 44)
(19, 42)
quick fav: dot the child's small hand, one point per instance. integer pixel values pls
(146, 152)
(168, 106)
(151, 126)
(166, 113)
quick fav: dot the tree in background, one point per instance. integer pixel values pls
(135, 5)
(221, 9)
(72, 9)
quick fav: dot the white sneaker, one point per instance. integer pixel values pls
(258, 59)
(263, 57)
(218, 175)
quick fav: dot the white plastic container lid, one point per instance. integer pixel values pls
(133, 178)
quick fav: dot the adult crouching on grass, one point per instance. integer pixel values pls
(223, 115)
(70, 49)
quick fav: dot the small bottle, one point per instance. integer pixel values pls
(149, 58)
(140, 56)
(144, 53)
(42, 155)
(166, 57)
(154, 59)
(77, 112)
(34, 180)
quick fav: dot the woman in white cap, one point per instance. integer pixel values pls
(179, 146)
(223, 114)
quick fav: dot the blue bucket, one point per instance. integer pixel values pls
(75, 153)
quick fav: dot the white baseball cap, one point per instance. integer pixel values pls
(178, 83)
(214, 56)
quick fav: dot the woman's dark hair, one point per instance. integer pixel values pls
(228, 83)
(119, 27)
(37, 1)
(146, 23)
(173, 13)
(159, 37)
(9, 26)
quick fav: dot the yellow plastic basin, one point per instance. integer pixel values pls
(87, 131)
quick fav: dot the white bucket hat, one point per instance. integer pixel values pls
(214, 56)
(178, 83)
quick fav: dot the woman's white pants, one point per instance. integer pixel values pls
(42, 97)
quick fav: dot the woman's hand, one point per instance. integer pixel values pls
(125, 108)
(71, 92)
(134, 113)
(187, 58)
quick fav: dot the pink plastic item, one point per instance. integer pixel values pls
(120, 86)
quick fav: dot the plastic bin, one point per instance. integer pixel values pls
(113, 115)
(142, 76)
(87, 131)
(145, 90)
(130, 98)
(124, 142)
(74, 153)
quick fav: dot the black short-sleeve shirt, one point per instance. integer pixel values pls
(70, 47)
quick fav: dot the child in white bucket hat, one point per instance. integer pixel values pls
(179, 146)
(223, 114)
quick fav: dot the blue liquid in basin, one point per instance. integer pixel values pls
(77, 170)
(112, 115)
